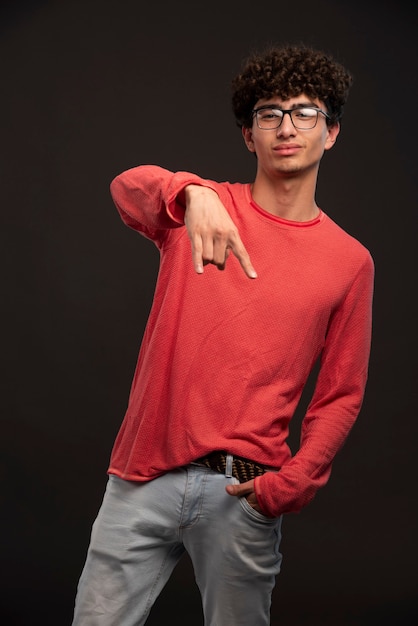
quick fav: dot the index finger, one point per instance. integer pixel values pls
(240, 252)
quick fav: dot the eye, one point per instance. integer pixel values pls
(269, 114)
(304, 113)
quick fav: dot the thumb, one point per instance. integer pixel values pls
(240, 490)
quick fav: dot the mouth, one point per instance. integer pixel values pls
(287, 149)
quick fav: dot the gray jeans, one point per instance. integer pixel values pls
(143, 529)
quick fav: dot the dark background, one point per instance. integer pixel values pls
(81, 81)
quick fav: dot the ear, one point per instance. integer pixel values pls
(332, 134)
(247, 133)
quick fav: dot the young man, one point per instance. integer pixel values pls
(201, 463)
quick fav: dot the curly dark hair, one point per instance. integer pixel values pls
(288, 71)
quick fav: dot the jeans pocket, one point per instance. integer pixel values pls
(256, 515)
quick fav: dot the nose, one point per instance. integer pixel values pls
(286, 127)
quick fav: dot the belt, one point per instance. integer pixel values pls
(242, 469)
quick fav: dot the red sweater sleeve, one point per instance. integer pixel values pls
(149, 199)
(335, 404)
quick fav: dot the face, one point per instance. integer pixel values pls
(287, 150)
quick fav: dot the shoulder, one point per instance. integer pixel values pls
(345, 243)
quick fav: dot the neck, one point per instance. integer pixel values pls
(290, 199)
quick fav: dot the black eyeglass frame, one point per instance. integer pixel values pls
(289, 112)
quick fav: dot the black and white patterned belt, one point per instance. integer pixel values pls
(242, 469)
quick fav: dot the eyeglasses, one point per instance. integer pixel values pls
(269, 117)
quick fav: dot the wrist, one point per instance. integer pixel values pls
(192, 191)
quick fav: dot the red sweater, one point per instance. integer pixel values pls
(224, 358)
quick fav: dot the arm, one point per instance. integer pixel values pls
(154, 201)
(332, 411)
